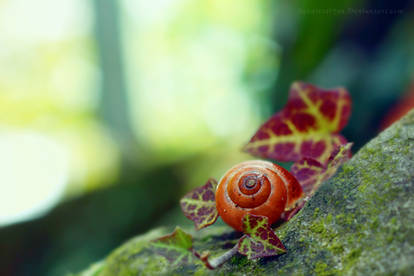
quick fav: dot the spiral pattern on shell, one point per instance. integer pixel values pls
(256, 187)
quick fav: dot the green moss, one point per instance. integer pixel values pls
(322, 269)
(328, 218)
(336, 247)
(354, 254)
(362, 188)
(344, 219)
(239, 260)
(348, 263)
(374, 223)
(316, 212)
(347, 169)
(388, 185)
(317, 227)
(321, 227)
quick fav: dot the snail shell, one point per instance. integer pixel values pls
(256, 187)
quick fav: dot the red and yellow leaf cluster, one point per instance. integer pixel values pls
(308, 126)
(306, 132)
(199, 205)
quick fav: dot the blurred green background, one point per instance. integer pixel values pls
(112, 110)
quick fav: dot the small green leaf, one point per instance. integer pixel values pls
(199, 205)
(176, 247)
(259, 239)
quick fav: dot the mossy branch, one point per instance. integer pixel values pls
(361, 222)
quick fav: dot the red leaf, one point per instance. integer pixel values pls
(311, 174)
(259, 239)
(307, 127)
(199, 205)
(308, 173)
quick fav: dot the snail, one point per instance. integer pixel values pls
(256, 187)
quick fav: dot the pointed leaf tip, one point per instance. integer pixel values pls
(259, 239)
(175, 247)
(199, 205)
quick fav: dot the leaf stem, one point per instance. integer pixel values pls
(218, 261)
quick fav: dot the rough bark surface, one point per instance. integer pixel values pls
(361, 222)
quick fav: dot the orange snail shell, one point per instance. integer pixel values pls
(256, 187)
